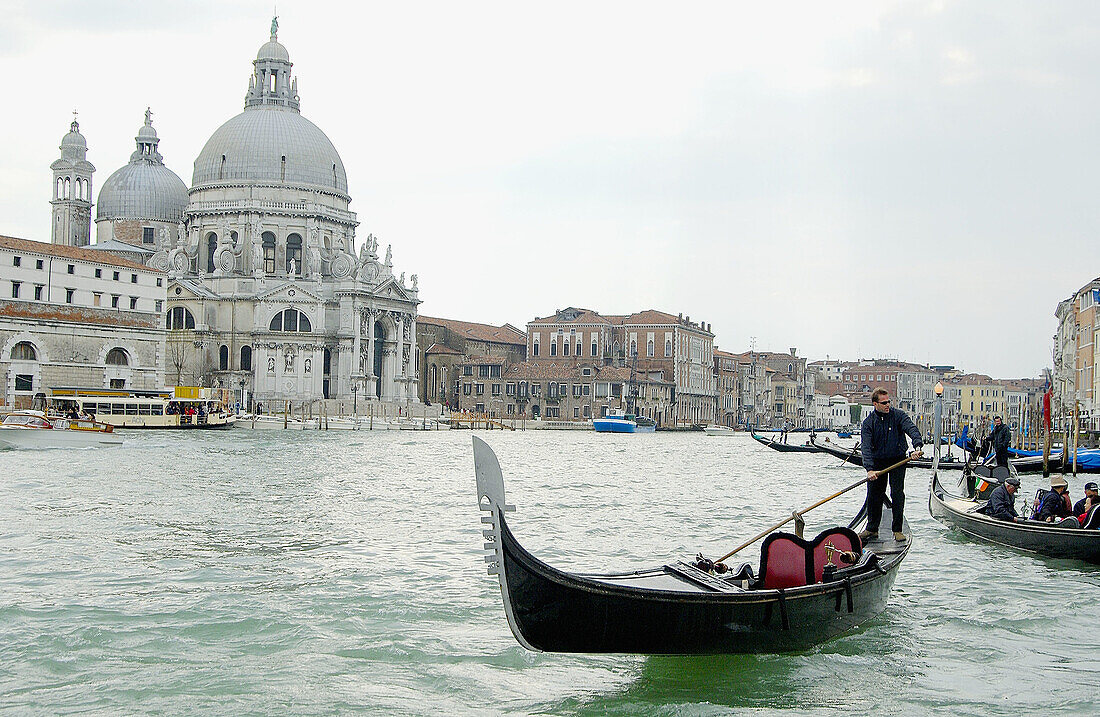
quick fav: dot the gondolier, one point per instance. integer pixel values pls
(1000, 438)
(882, 442)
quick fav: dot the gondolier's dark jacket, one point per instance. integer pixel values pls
(883, 438)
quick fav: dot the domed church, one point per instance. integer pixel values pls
(266, 294)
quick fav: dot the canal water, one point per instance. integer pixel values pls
(272, 572)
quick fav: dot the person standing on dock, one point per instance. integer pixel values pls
(882, 442)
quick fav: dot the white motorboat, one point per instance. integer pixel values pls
(34, 429)
(717, 430)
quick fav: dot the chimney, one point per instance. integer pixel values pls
(793, 349)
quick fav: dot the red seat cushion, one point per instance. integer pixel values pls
(788, 561)
(783, 561)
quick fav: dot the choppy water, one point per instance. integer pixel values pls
(275, 572)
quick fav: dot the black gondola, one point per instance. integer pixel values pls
(787, 448)
(796, 602)
(1054, 540)
(854, 457)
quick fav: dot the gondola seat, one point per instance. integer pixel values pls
(842, 539)
(788, 561)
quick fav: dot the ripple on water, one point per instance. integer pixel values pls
(320, 573)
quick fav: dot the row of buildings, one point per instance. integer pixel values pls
(252, 279)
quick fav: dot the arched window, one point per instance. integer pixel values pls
(180, 318)
(668, 347)
(60, 188)
(790, 368)
(290, 320)
(24, 351)
(326, 362)
(633, 347)
(223, 358)
(211, 247)
(246, 358)
(294, 254)
(649, 347)
(269, 252)
(117, 357)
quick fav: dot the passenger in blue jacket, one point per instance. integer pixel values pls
(1002, 501)
(1054, 505)
(882, 442)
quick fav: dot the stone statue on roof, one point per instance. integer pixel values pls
(274, 27)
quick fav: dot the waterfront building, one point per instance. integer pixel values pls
(1075, 357)
(266, 293)
(792, 399)
(727, 384)
(754, 391)
(559, 391)
(662, 347)
(975, 398)
(443, 345)
(911, 386)
(71, 316)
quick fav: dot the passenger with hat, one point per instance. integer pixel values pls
(1092, 499)
(1002, 501)
(1054, 503)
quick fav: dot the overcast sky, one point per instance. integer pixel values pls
(901, 179)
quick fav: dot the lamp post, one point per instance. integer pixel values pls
(354, 396)
(242, 382)
(937, 420)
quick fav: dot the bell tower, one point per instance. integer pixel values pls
(72, 191)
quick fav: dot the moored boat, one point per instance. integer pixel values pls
(853, 456)
(185, 407)
(1059, 540)
(787, 447)
(616, 421)
(34, 429)
(800, 597)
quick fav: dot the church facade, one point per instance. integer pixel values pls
(266, 293)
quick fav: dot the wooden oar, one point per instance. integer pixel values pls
(800, 513)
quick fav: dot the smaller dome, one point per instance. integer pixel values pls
(143, 190)
(273, 50)
(74, 138)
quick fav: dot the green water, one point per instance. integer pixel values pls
(270, 572)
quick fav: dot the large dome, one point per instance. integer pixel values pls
(270, 144)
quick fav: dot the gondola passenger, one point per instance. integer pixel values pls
(1054, 505)
(1092, 499)
(1002, 501)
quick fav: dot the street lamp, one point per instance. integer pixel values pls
(354, 396)
(242, 382)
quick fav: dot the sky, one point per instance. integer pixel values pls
(862, 179)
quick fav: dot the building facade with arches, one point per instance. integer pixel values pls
(267, 294)
(71, 316)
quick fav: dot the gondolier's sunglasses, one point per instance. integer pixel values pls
(884, 403)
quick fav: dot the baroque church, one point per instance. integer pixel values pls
(266, 293)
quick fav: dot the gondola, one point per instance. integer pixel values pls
(799, 599)
(854, 457)
(1054, 540)
(786, 448)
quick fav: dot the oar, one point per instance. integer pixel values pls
(800, 513)
(852, 453)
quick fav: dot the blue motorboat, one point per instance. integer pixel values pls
(617, 421)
